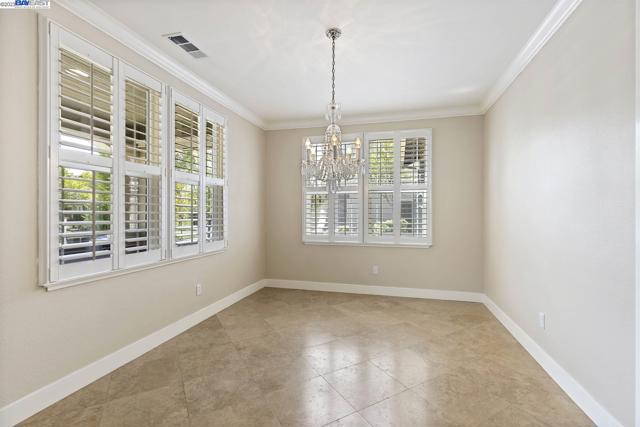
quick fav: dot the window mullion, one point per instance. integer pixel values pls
(54, 138)
(397, 204)
(331, 203)
(120, 143)
(202, 149)
(166, 188)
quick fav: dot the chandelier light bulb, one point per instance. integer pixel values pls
(307, 144)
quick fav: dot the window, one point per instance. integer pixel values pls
(199, 217)
(83, 178)
(142, 168)
(214, 182)
(123, 174)
(390, 205)
(332, 217)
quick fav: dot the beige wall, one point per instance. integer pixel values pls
(559, 200)
(454, 262)
(44, 336)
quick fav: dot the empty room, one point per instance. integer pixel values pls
(320, 213)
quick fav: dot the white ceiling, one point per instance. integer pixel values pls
(395, 58)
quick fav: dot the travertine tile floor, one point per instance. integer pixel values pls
(289, 358)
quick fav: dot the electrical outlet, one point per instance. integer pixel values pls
(542, 320)
(198, 289)
(375, 269)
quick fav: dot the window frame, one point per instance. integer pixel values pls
(330, 237)
(398, 188)
(127, 72)
(184, 177)
(56, 272)
(212, 116)
(53, 38)
(365, 188)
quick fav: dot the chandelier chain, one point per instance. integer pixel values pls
(333, 70)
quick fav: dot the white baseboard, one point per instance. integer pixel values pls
(36, 401)
(51, 393)
(573, 388)
(391, 291)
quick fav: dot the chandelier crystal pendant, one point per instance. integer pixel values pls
(334, 163)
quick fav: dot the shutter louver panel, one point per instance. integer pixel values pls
(214, 182)
(214, 213)
(380, 209)
(347, 215)
(187, 144)
(85, 105)
(85, 209)
(414, 214)
(381, 164)
(214, 150)
(316, 207)
(142, 124)
(413, 160)
(141, 214)
(186, 214)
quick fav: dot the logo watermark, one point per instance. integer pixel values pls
(25, 4)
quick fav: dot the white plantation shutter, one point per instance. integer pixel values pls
(316, 215)
(136, 174)
(143, 181)
(415, 194)
(187, 140)
(380, 214)
(398, 187)
(187, 158)
(380, 186)
(85, 205)
(187, 208)
(82, 181)
(215, 206)
(332, 217)
(347, 215)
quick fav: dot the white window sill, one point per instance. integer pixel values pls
(116, 273)
(371, 245)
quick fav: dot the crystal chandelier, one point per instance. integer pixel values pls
(335, 163)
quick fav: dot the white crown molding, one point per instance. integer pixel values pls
(38, 400)
(116, 29)
(100, 19)
(471, 110)
(554, 20)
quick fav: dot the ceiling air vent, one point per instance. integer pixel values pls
(182, 42)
